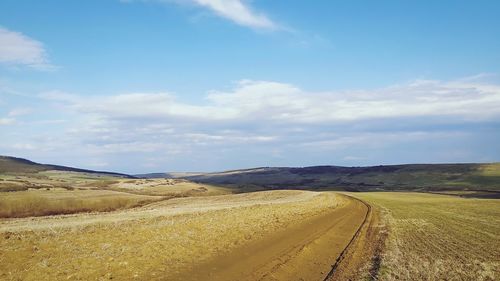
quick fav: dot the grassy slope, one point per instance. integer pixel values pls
(438, 237)
(13, 165)
(18, 165)
(395, 177)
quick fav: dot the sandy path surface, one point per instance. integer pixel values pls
(305, 251)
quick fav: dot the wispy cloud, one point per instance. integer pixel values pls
(19, 49)
(236, 11)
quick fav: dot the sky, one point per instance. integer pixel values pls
(140, 86)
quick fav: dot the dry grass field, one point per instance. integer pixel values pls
(156, 242)
(438, 237)
(65, 192)
(60, 225)
(52, 202)
(67, 225)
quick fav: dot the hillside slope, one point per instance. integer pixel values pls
(424, 177)
(11, 165)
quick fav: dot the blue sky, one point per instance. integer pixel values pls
(205, 85)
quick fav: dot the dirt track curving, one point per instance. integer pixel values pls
(272, 235)
(361, 258)
(305, 251)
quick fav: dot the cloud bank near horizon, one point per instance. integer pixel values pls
(281, 103)
(264, 122)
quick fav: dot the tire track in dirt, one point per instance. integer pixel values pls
(305, 251)
(340, 258)
(361, 258)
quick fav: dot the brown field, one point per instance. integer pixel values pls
(438, 237)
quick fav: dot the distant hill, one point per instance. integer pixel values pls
(418, 177)
(10, 164)
(172, 175)
(424, 177)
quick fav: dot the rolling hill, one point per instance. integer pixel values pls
(10, 164)
(419, 177)
(424, 177)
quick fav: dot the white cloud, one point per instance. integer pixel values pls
(19, 49)
(284, 103)
(238, 12)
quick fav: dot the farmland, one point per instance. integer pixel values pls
(438, 237)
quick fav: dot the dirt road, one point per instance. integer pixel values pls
(305, 251)
(271, 235)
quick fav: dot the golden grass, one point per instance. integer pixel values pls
(43, 202)
(438, 237)
(151, 243)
